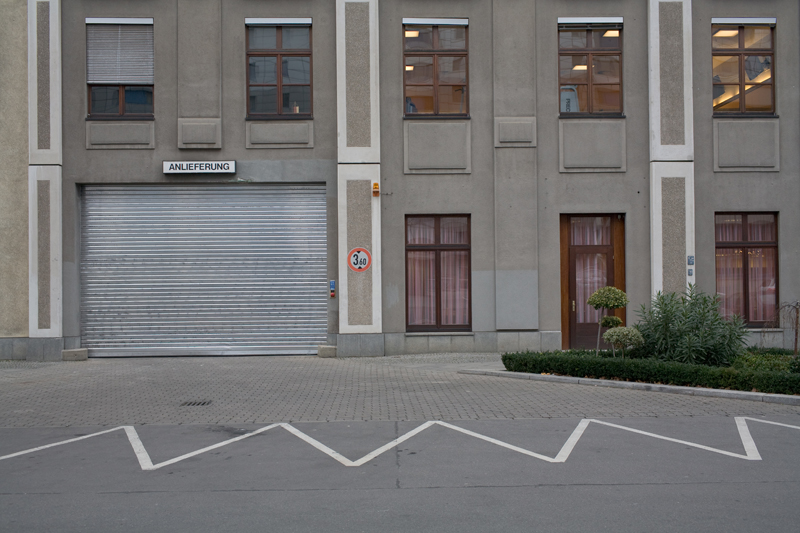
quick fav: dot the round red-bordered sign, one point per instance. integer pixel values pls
(359, 259)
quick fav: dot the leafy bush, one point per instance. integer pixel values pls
(653, 371)
(763, 361)
(768, 350)
(608, 298)
(610, 321)
(690, 329)
(621, 338)
(794, 366)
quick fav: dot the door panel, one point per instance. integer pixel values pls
(590, 245)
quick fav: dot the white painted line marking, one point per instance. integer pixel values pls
(32, 450)
(146, 463)
(208, 448)
(498, 442)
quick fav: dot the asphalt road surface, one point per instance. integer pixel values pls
(697, 465)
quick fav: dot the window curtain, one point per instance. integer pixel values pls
(590, 230)
(591, 274)
(762, 286)
(420, 231)
(455, 288)
(421, 283)
(730, 281)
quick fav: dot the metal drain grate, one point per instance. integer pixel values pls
(196, 403)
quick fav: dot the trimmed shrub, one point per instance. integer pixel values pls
(606, 298)
(690, 329)
(610, 321)
(621, 338)
(763, 361)
(653, 371)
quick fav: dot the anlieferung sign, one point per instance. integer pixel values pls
(199, 167)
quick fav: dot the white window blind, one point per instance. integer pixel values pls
(119, 54)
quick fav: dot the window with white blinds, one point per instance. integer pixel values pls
(119, 54)
(119, 67)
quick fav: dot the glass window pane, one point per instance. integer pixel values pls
(761, 228)
(452, 99)
(454, 230)
(138, 100)
(574, 98)
(725, 69)
(758, 69)
(728, 99)
(419, 37)
(758, 37)
(455, 288)
(419, 99)
(419, 69)
(592, 231)
(452, 37)
(606, 99)
(591, 273)
(605, 39)
(421, 230)
(758, 98)
(605, 69)
(263, 69)
(262, 37)
(730, 281)
(421, 286)
(762, 283)
(295, 38)
(105, 100)
(724, 37)
(296, 69)
(296, 99)
(264, 100)
(452, 69)
(572, 39)
(573, 69)
(728, 228)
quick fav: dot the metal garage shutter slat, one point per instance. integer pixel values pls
(203, 270)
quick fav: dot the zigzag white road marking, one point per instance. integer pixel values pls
(751, 451)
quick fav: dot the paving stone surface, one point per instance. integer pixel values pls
(102, 392)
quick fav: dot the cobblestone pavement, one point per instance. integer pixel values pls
(307, 389)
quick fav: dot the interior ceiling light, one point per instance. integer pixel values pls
(611, 33)
(727, 33)
(409, 67)
(412, 33)
(579, 67)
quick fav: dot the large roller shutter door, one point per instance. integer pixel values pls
(203, 270)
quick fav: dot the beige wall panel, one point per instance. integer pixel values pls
(592, 145)
(359, 235)
(673, 215)
(437, 147)
(199, 58)
(110, 135)
(14, 170)
(747, 145)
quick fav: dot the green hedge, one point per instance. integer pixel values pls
(653, 371)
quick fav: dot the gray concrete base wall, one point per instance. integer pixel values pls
(371, 345)
(33, 349)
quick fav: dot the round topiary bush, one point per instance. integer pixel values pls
(623, 338)
(606, 298)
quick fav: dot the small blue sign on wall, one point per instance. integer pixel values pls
(691, 259)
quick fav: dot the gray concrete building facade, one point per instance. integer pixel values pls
(267, 177)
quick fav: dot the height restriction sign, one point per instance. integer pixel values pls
(359, 259)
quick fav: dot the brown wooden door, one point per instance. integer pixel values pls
(592, 249)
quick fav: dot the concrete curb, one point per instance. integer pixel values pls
(672, 389)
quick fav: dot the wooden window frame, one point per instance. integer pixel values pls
(591, 52)
(438, 248)
(436, 52)
(741, 52)
(122, 114)
(279, 53)
(744, 245)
